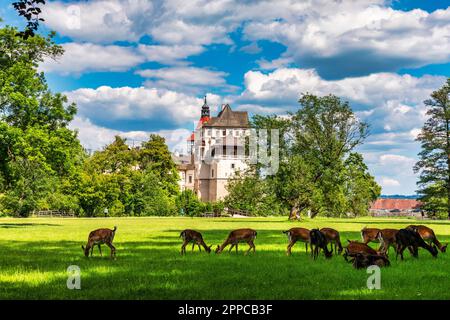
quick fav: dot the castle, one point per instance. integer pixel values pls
(216, 151)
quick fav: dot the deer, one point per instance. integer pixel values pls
(387, 239)
(99, 237)
(428, 236)
(364, 260)
(236, 236)
(369, 235)
(411, 239)
(355, 247)
(332, 237)
(196, 238)
(294, 235)
(318, 241)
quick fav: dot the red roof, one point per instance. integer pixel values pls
(391, 204)
(199, 125)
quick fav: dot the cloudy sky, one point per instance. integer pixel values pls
(139, 66)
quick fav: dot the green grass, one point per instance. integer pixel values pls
(35, 254)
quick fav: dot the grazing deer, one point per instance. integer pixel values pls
(355, 247)
(99, 237)
(387, 239)
(369, 235)
(318, 241)
(333, 237)
(297, 234)
(236, 236)
(407, 238)
(196, 238)
(428, 236)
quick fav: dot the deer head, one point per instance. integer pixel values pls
(85, 250)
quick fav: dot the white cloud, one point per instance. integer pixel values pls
(87, 57)
(183, 77)
(107, 104)
(102, 21)
(386, 182)
(334, 36)
(383, 37)
(94, 137)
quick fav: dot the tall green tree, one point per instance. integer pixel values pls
(434, 158)
(314, 144)
(38, 152)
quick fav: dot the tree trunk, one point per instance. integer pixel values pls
(293, 213)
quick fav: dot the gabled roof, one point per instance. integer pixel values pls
(229, 118)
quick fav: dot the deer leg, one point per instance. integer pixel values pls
(289, 247)
(100, 249)
(183, 247)
(193, 244)
(306, 246)
(250, 248)
(92, 250)
(232, 245)
(113, 249)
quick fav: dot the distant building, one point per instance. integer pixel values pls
(396, 207)
(216, 152)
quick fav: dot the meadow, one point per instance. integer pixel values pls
(35, 254)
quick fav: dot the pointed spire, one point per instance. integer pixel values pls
(205, 109)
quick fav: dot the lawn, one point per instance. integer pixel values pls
(35, 254)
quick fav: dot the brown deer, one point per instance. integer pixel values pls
(387, 239)
(355, 247)
(99, 237)
(318, 242)
(236, 236)
(196, 238)
(333, 237)
(411, 239)
(428, 236)
(369, 235)
(294, 235)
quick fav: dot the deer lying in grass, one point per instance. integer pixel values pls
(428, 236)
(364, 260)
(407, 238)
(333, 237)
(236, 236)
(196, 238)
(387, 239)
(355, 247)
(318, 241)
(294, 235)
(99, 237)
(369, 235)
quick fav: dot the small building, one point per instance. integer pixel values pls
(216, 151)
(396, 207)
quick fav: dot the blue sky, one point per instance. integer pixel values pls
(135, 67)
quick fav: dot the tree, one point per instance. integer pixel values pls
(360, 186)
(38, 152)
(30, 10)
(154, 155)
(314, 144)
(434, 159)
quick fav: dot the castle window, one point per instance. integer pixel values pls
(224, 133)
(190, 179)
(212, 173)
(232, 166)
